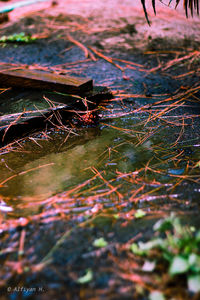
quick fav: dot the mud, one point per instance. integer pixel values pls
(58, 164)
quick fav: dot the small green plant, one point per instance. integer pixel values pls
(177, 246)
(17, 38)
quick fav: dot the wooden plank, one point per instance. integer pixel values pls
(12, 76)
(18, 125)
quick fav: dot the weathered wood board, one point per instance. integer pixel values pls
(23, 122)
(13, 76)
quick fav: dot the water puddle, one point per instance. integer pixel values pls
(40, 168)
(48, 167)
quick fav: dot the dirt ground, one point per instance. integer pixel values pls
(168, 23)
(68, 218)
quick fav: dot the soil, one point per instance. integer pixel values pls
(118, 30)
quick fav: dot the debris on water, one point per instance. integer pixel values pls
(4, 207)
(86, 278)
(176, 171)
(100, 243)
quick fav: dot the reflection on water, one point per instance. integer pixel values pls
(43, 171)
(39, 169)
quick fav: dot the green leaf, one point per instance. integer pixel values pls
(193, 259)
(163, 225)
(167, 255)
(116, 216)
(100, 243)
(86, 278)
(179, 228)
(198, 236)
(151, 244)
(178, 265)
(139, 214)
(136, 250)
(194, 262)
(194, 283)
(192, 229)
(156, 295)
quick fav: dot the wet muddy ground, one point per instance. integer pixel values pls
(64, 188)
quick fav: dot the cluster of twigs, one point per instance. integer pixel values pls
(89, 199)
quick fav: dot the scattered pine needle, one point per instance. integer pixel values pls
(82, 47)
(108, 59)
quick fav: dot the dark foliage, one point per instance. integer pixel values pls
(192, 5)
